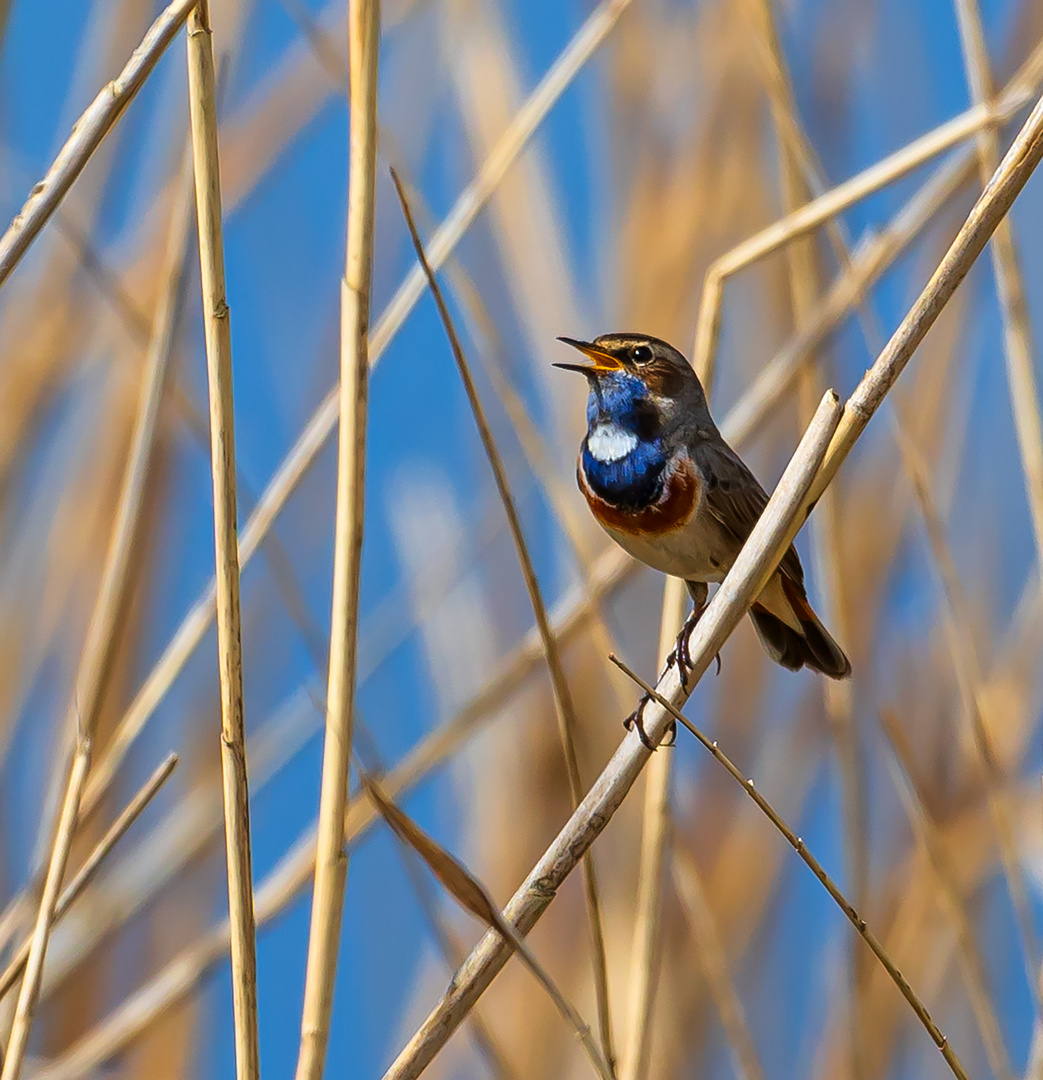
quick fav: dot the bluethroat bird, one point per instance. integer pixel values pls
(663, 483)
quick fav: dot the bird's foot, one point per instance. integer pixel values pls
(636, 720)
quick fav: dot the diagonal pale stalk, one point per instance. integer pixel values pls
(655, 829)
(528, 904)
(752, 569)
(331, 864)
(93, 863)
(1019, 92)
(203, 112)
(564, 707)
(87, 135)
(102, 632)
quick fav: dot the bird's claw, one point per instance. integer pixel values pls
(636, 720)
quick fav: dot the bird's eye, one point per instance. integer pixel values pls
(640, 354)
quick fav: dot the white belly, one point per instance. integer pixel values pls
(691, 551)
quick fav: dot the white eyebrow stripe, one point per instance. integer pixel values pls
(609, 442)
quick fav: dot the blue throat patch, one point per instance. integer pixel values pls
(636, 480)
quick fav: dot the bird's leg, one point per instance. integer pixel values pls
(681, 656)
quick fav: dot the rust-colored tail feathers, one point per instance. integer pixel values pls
(812, 647)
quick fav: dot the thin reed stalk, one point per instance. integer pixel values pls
(87, 135)
(25, 1009)
(94, 861)
(216, 324)
(751, 569)
(817, 869)
(564, 707)
(646, 945)
(331, 866)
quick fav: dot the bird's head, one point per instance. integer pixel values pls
(634, 376)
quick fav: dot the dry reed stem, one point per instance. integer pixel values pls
(559, 495)
(1019, 92)
(963, 656)
(1010, 287)
(752, 568)
(331, 865)
(564, 706)
(313, 438)
(14, 1056)
(473, 896)
(92, 864)
(713, 960)
(655, 828)
(87, 134)
(969, 958)
(817, 869)
(217, 330)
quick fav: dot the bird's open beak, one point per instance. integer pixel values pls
(603, 361)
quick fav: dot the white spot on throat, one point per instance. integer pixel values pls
(609, 442)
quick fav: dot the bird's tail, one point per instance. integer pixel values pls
(812, 646)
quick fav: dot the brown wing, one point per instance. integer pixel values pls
(736, 499)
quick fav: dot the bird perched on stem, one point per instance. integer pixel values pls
(663, 483)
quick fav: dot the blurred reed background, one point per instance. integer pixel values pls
(667, 134)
